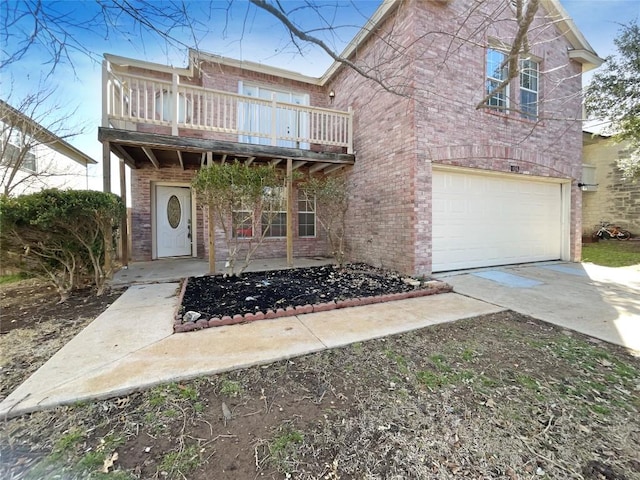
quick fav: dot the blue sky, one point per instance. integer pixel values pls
(240, 32)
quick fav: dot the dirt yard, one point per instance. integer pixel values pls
(495, 397)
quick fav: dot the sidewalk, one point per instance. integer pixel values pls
(132, 345)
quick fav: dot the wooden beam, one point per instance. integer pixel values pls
(204, 155)
(198, 145)
(298, 164)
(151, 156)
(180, 159)
(289, 212)
(332, 168)
(123, 154)
(275, 161)
(250, 160)
(224, 159)
(318, 166)
(209, 159)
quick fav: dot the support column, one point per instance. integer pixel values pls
(289, 212)
(211, 230)
(106, 167)
(124, 230)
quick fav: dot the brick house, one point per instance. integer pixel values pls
(443, 173)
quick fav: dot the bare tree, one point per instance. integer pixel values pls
(27, 133)
(307, 25)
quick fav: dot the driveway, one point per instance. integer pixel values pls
(599, 301)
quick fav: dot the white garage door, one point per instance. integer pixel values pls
(484, 220)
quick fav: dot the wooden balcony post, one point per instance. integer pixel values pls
(289, 212)
(175, 105)
(106, 94)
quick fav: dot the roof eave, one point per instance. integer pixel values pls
(196, 55)
(588, 59)
(132, 62)
(46, 137)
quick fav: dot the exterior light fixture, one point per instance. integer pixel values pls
(332, 95)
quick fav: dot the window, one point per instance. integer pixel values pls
(306, 215)
(242, 220)
(274, 214)
(18, 151)
(527, 96)
(497, 72)
(529, 89)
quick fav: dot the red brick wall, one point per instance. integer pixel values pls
(143, 180)
(438, 68)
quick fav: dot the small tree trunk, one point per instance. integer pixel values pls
(108, 251)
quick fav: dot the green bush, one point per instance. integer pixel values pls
(64, 236)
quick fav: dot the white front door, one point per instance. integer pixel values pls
(173, 221)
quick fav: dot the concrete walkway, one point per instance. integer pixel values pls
(131, 345)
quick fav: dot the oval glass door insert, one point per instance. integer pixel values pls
(174, 211)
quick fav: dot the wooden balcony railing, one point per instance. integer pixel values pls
(130, 100)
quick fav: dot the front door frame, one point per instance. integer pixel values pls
(154, 210)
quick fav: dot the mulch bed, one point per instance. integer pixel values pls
(216, 300)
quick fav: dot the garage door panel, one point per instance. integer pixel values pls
(482, 220)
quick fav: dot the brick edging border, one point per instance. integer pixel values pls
(179, 326)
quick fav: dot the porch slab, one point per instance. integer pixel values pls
(176, 269)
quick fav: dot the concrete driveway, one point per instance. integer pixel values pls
(599, 301)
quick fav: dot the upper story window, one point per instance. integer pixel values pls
(497, 72)
(521, 95)
(529, 79)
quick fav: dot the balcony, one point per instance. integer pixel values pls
(137, 103)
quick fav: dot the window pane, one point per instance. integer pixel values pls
(497, 72)
(306, 224)
(243, 224)
(278, 227)
(529, 88)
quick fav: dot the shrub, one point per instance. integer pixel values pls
(64, 236)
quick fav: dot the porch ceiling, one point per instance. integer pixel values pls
(164, 151)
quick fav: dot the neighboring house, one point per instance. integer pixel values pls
(607, 196)
(44, 159)
(436, 183)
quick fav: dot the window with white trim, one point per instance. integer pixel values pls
(306, 214)
(529, 80)
(274, 213)
(242, 222)
(497, 72)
